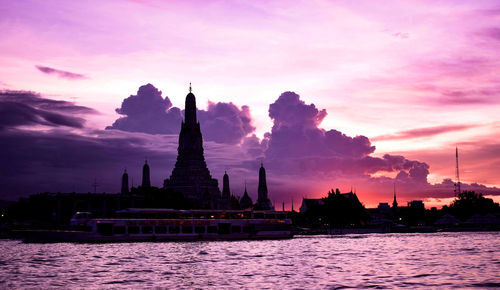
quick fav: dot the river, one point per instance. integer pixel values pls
(373, 260)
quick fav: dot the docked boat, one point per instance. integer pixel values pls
(135, 224)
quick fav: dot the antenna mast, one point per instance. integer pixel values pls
(95, 185)
(457, 175)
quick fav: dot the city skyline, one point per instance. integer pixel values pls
(351, 82)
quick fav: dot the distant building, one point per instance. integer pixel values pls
(383, 206)
(416, 204)
(309, 203)
(447, 220)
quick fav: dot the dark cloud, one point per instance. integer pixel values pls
(60, 73)
(289, 111)
(19, 108)
(225, 123)
(253, 146)
(422, 132)
(149, 112)
(57, 160)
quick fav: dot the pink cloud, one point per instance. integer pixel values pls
(422, 132)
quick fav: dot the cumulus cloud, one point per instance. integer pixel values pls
(60, 73)
(19, 108)
(295, 133)
(297, 148)
(225, 122)
(149, 112)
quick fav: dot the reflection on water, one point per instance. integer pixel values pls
(386, 260)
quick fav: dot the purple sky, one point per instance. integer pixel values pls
(381, 92)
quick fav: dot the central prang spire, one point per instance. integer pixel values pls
(191, 176)
(190, 109)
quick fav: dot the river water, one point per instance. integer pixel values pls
(376, 260)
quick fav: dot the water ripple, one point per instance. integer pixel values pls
(327, 262)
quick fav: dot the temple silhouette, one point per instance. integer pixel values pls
(191, 176)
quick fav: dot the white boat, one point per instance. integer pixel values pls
(135, 224)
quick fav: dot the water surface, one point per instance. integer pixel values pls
(377, 260)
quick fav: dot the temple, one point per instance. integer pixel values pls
(190, 175)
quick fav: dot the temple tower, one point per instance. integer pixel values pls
(394, 202)
(125, 182)
(146, 180)
(190, 175)
(226, 192)
(263, 201)
(245, 201)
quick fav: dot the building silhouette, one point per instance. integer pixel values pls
(226, 192)
(395, 202)
(125, 182)
(226, 199)
(190, 175)
(146, 180)
(263, 201)
(246, 201)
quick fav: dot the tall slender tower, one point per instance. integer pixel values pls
(124, 182)
(457, 184)
(226, 193)
(146, 181)
(263, 201)
(395, 202)
(190, 175)
(262, 189)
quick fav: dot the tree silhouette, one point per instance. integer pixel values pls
(469, 203)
